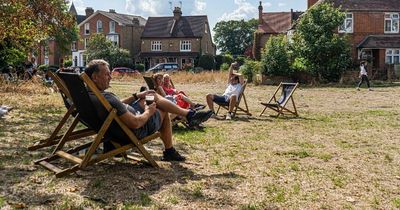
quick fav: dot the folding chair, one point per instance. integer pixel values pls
(71, 111)
(110, 129)
(279, 105)
(237, 108)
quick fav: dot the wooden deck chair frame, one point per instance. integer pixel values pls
(237, 108)
(54, 137)
(90, 157)
(281, 107)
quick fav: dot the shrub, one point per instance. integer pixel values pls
(224, 67)
(275, 58)
(43, 67)
(228, 58)
(219, 60)
(250, 68)
(139, 67)
(207, 62)
(240, 60)
(68, 63)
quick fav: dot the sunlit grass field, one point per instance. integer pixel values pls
(343, 152)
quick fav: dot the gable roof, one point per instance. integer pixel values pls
(277, 22)
(167, 27)
(365, 5)
(122, 19)
(380, 42)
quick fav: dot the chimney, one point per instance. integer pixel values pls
(260, 11)
(89, 11)
(135, 22)
(177, 13)
(310, 3)
(111, 11)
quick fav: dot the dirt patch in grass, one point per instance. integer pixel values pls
(342, 152)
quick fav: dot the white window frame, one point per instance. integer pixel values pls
(185, 45)
(114, 38)
(112, 26)
(392, 55)
(73, 46)
(156, 46)
(393, 18)
(343, 28)
(87, 29)
(99, 26)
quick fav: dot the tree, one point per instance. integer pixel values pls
(325, 53)
(207, 62)
(100, 47)
(234, 36)
(275, 59)
(23, 23)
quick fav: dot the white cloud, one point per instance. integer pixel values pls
(281, 4)
(145, 7)
(267, 4)
(245, 10)
(200, 7)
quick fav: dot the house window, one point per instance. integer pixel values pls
(186, 45)
(86, 43)
(87, 29)
(393, 56)
(347, 26)
(114, 39)
(112, 27)
(99, 26)
(73, 46)
(156, 46)
(391, 22)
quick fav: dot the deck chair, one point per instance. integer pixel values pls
(110, 129)
(237, 108)
(279, 105)
(179, 120)
(71, 112)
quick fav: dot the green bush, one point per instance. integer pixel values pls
(228, 58)
(250, 68)
(68, 63)
(224, 67)
(43, 67)
(139, 67)
(275, 58)
(219, 60)
(207, 62)
(240, 60)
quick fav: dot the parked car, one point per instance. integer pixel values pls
(124, 71)
(167, 67)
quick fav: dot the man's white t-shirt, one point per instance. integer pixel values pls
(232, 90)
(362, 70)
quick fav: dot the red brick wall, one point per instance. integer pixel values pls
(311, 2)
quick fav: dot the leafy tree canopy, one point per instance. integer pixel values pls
(275, 57)
(235, 36)
(23, 23)
(325, 53)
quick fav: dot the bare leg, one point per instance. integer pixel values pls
(166, 130)
(210, 102)
(232, 103)
(186, 99)
(167, 106)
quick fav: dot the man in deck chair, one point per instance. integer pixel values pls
(143, 119)
(231, 94)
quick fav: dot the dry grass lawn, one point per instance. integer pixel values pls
(343, 152)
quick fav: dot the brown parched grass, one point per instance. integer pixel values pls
(343, 152)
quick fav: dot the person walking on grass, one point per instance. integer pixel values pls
(363, 75)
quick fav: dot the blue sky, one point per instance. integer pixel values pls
(216, 10)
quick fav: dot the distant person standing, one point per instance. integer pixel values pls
(363, 75)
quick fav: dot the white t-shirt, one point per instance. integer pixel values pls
(362, 70)
(232, 90)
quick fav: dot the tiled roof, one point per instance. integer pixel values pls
(380, 42)
(123, 19)
(278, 22)
(80, 18)
(369, 5)
(186, 26)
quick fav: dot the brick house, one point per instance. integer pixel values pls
(270, 24)
(177, 39)
(122, 29)
(373, 29)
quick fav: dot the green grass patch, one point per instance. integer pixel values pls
(396, 202)
(275, 193)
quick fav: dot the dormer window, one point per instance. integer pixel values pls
(87, 28)
(186, 46)
(112, 27)
(391, 22)
(347, 26)
(99, 26)
(156, 46)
